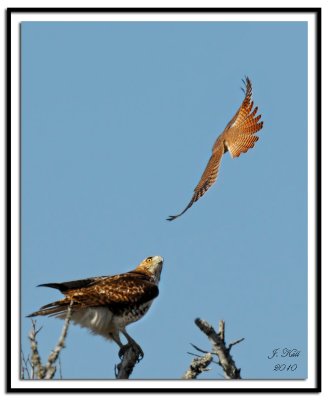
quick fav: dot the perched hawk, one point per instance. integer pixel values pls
(238, 137)
(107, 304)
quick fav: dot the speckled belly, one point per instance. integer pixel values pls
(131, 314)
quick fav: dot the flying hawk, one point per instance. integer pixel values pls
(107, 304)
(238, 137)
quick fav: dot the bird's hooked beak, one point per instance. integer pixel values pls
(157, 259)
(156, 267)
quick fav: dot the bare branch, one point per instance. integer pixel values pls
(35, 356)
(193, 354)
(60, 367)
(25, 366)
(198, 348)
(131, 357)
(198, 366)
(219, 347)
(234, 343)
(221, 330)
(40, 371)
(50, 367)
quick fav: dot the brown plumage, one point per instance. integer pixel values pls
(107, 304)
(238, 137)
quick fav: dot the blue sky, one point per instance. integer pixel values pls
(118, 122)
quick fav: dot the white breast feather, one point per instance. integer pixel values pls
(99, 320)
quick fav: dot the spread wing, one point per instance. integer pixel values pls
(208, 178)
(238, 137)
(113, 292)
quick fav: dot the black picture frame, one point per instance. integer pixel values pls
(317, 12)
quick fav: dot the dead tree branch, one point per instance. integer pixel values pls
(50, 367)
(198, 365)
(40, 371)
(37, 367)
(26, 367)
(131, 356)
(219, 347)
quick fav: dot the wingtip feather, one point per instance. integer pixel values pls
(172, 217)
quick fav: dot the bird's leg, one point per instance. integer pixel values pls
(133, 344)
(124, 347)
(116, 338)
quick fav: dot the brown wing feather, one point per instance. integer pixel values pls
(113, 292)
(208, 178)
(210, 174)
(245, 107)
(238, 137)
(118, 289)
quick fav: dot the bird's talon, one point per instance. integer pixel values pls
(140, 354)
(122, 351)
(137, 349)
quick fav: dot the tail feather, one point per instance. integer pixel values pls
(66, 286)
(58, 286)
(54, 308)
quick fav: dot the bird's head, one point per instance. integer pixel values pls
(151, 266)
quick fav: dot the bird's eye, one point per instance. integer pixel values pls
(149, 259)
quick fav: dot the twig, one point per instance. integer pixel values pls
(234, 343)
(198, 365)
(221, 330)
(193, 354)
(198, 348)
(25, 365)
(60, 367)
(47, 371)
(130, 358)
(35, 356)
(50, 367)
(219, 347)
